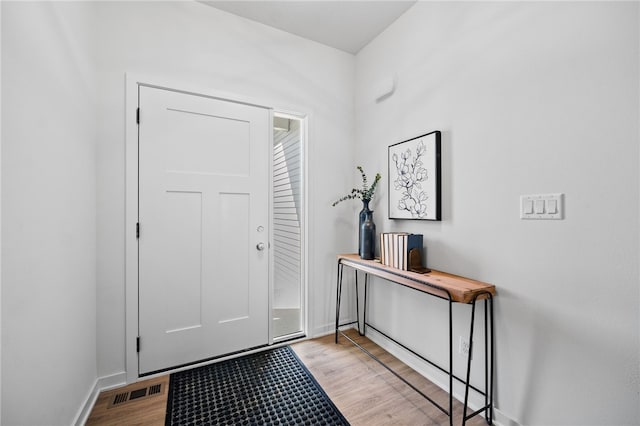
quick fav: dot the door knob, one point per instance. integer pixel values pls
(260, 246)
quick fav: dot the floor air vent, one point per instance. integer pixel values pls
(120, 398)
(154, 389)
(124, 397)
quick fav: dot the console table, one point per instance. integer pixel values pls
(451, 288)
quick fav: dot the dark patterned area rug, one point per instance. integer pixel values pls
(266, 388)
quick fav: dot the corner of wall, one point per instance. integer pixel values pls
(101, 384)
(502, 419)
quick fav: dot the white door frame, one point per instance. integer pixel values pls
(304, 246)
(132, 81)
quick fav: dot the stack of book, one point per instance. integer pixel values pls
(395, 248)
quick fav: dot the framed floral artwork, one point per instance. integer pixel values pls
(414, 178)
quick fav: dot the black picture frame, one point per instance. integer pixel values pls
(415, 178)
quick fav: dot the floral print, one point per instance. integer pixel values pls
(410, 174)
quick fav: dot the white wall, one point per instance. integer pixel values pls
(203, 47)
(48, 212)
(531, 98)
(63, 103)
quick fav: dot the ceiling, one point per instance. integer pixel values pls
(346, 25)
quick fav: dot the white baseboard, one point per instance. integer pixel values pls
(325, 329)
(321, 332)
(502, 419)
(101, 384)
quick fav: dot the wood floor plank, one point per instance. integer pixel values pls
(364, 391)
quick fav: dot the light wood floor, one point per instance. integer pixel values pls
(149, 411)
(364, 391)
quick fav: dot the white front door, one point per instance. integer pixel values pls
(204, 226)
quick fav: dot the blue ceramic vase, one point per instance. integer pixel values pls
(367, 233)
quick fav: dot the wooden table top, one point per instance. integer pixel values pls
(438, 283)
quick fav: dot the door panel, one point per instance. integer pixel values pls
(203, 177)
(233, 210)
(192, 133)
(184, 259)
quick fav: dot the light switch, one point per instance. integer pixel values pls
(528, 206)
(542, 206)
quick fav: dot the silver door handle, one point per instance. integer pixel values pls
(260, 246)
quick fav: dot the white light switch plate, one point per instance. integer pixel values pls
(546, 206)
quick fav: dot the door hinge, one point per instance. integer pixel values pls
(138, 116)
(138, 230)
(138, 344)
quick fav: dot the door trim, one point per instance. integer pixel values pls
(304, 275)
(132, 82)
